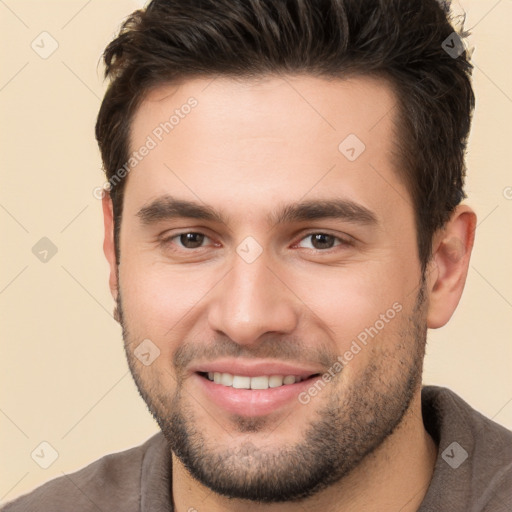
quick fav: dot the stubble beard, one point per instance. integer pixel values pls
(356, 420)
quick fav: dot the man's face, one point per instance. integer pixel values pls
(269, 289)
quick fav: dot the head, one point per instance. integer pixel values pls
(297, 205)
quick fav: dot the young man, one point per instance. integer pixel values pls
(283, 224)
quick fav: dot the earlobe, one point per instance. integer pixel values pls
(449, 266)
(108, 242)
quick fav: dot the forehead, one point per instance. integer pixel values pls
(271, 106)
(231, 139)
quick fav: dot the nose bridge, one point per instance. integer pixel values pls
(252, 301)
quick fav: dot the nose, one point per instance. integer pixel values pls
(253, 300)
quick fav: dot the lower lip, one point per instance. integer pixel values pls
(247, 402)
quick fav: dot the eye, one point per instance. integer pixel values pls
(319, 241)
(187, 240)
(323, 241)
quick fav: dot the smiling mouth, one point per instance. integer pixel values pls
(259, 382)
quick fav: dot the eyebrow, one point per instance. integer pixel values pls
(167, 208)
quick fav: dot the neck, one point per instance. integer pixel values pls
(394, 477)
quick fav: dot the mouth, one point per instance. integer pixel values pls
(260, 382)
(253, 395)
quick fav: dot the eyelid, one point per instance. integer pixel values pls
(345, 240)
(167, 239)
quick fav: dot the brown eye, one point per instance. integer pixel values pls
(322, 241)
(191, 240)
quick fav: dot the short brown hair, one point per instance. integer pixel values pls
(402, 41)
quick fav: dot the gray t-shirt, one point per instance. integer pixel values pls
(473, 471)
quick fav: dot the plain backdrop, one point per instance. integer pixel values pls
(64, 378)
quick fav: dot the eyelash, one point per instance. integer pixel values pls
(343, 242)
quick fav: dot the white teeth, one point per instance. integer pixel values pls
(260, 382)
(275, 381)
(240, 382)
(226, 379)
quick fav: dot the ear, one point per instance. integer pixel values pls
(108, 242)
(449, 264)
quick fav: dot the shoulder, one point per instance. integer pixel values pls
(110, 483)
(474, 462)
(449, 414)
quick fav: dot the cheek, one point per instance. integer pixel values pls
(158, 301)
(364, 310)
(348, 299)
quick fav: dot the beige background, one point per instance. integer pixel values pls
(64, 379)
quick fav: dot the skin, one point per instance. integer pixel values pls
(245, 149)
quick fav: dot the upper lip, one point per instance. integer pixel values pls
(252, 368)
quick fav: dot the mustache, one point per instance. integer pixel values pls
(272, 347)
